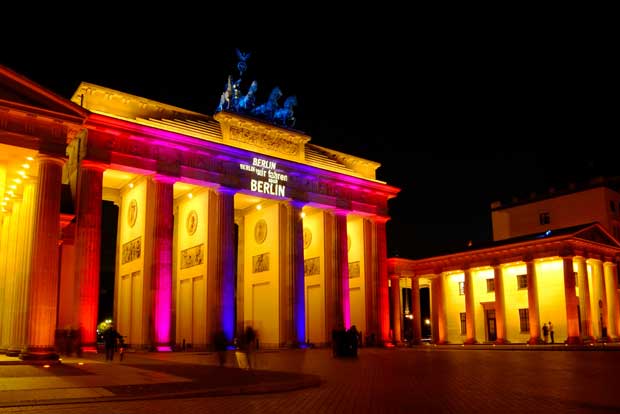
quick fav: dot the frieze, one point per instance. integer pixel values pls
(262, 140)
(192, 256)
(260, 263)
(131, 250)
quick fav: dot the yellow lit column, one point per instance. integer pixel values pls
(439, 328)
(572, 318)
(500, 308)
(584, 298)
(11, 316)
(599, 299)
(396, 313)
(415, 304)
(611, 290)
(532, 303)
(43, 286)
(470, 318)
(88, 249)
(5, 282)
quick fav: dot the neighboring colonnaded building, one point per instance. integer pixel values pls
(223, 222)
(554, 258)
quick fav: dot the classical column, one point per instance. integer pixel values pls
(470, 317)
(500, 308)
(584, 299)
(572, 318)
(382, 280)
(415, 304)
(43, 284)
(342, 267)
(5, 281)
(161, 271)
(370, 280)
(438, 311)
(297, 269)
(611, 290)
(396, 313)
(88, 250)
(11, 316)
(226, 260)
(599, 299)
(532, 303)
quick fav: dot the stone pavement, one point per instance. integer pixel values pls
(138, 376)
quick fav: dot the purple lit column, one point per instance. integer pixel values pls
(532, 303)
(342, 266)
(299, 303)
(500, 309)
(226, 260)
(572, 318)
(43, 285)
(470, 318)
(161, 271)
(88, 249)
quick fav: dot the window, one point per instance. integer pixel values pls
(521, 281)
(544, 218)
(524, 320)
(490, 285)
(461, 288)
(463, 323)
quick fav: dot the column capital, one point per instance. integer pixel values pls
(51, 158)
(297, 204)
(609, 264)
(92, 165)
(380, 219)
(165, 179)
(226, 190)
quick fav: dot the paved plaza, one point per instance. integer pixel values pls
(402, 380)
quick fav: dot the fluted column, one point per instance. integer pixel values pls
(88, 249)
(572, 318)
(611, 290)
(226, 260)
(438, 311)
(382, 279)
(599, 299)
(584, 299)
(396, 313)
(43, 284)
(415, 304)
(298, 287)
(532, 303)
(21, 273)
(161, 299)
(500, 308)
(5, 282)
(342, 266)
(11, 305)
(470, 317)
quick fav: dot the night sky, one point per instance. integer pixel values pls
(457, 118)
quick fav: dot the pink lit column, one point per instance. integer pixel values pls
(470, 318)
(43, 285)
(162, 262)
(88, 250)
(500, 308)
(381, 257)
(396, 313)
(415, 304)
(226, 261)
(532, 303)
(299, 303)
(572, 317)
(584, 299)
(343, 318)
(611, 289)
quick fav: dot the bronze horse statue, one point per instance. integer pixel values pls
(284, 116)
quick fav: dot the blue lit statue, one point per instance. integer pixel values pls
(284, 116)
(248, 101)
(268, 109)
(226, 96)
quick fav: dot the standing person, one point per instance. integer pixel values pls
(110, 337)
(249, 342)
(546, 332)
(551, 332)
(220, 343)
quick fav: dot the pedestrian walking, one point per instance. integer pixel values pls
(546, 332)
(551, 333)
(110, 336)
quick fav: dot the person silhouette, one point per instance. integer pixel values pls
(551, 333)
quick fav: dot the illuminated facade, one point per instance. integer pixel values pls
(223, 222)
(505, 292)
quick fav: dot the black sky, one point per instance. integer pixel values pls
(458, 116)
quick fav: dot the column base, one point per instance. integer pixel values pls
(573, 340)
(535, 341)
(501, 341)
(39, 354)
(469, 341)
